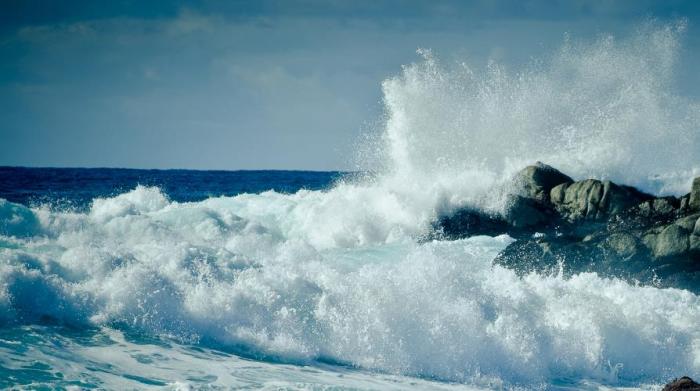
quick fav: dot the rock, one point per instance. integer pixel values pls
(665, 206)
(694, 200)
(525, 256)
(625, 245)
(694, 243)
(688, 222)
(684, 203)
(528, 205)
(467, 222)
(654, 212)
(578, 200)
(590, 226)
(673, 240)
(524, 212)
(683, 384)
(592, 199)
(694, 240)
(536, 181)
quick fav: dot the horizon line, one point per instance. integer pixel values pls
(2, 166)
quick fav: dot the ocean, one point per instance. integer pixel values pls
(226, 279)
(176, 279)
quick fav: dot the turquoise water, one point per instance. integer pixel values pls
(58, 357)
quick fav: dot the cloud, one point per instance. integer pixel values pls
(188, 22)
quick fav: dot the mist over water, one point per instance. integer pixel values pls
(341, 275)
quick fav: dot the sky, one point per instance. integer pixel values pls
(257, 84)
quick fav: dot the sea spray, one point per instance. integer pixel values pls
(606, 109)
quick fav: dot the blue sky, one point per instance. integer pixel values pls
(256, 84)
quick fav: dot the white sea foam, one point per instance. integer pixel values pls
(341, 275)
(248, 271)
(107, 359)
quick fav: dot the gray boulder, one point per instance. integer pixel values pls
(529, 205)
(694, 199)
(694, 238)
(594, 200)
(523, 212)
(684, 203)
(536, 181)
(683, 384)
(671, 241)
(694, 243)
(674, 240)
(623, 244)
(689, 222)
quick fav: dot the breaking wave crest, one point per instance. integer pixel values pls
(247, 272)
(606, 109)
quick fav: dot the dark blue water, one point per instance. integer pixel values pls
(77, 187)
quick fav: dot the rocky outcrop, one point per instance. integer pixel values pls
(529, 205)
(537, 181)
(592, 225)
(594, 200)
(694, 197)
(683, 384)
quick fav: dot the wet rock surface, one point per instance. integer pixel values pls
(591, 226)
(683, 384)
